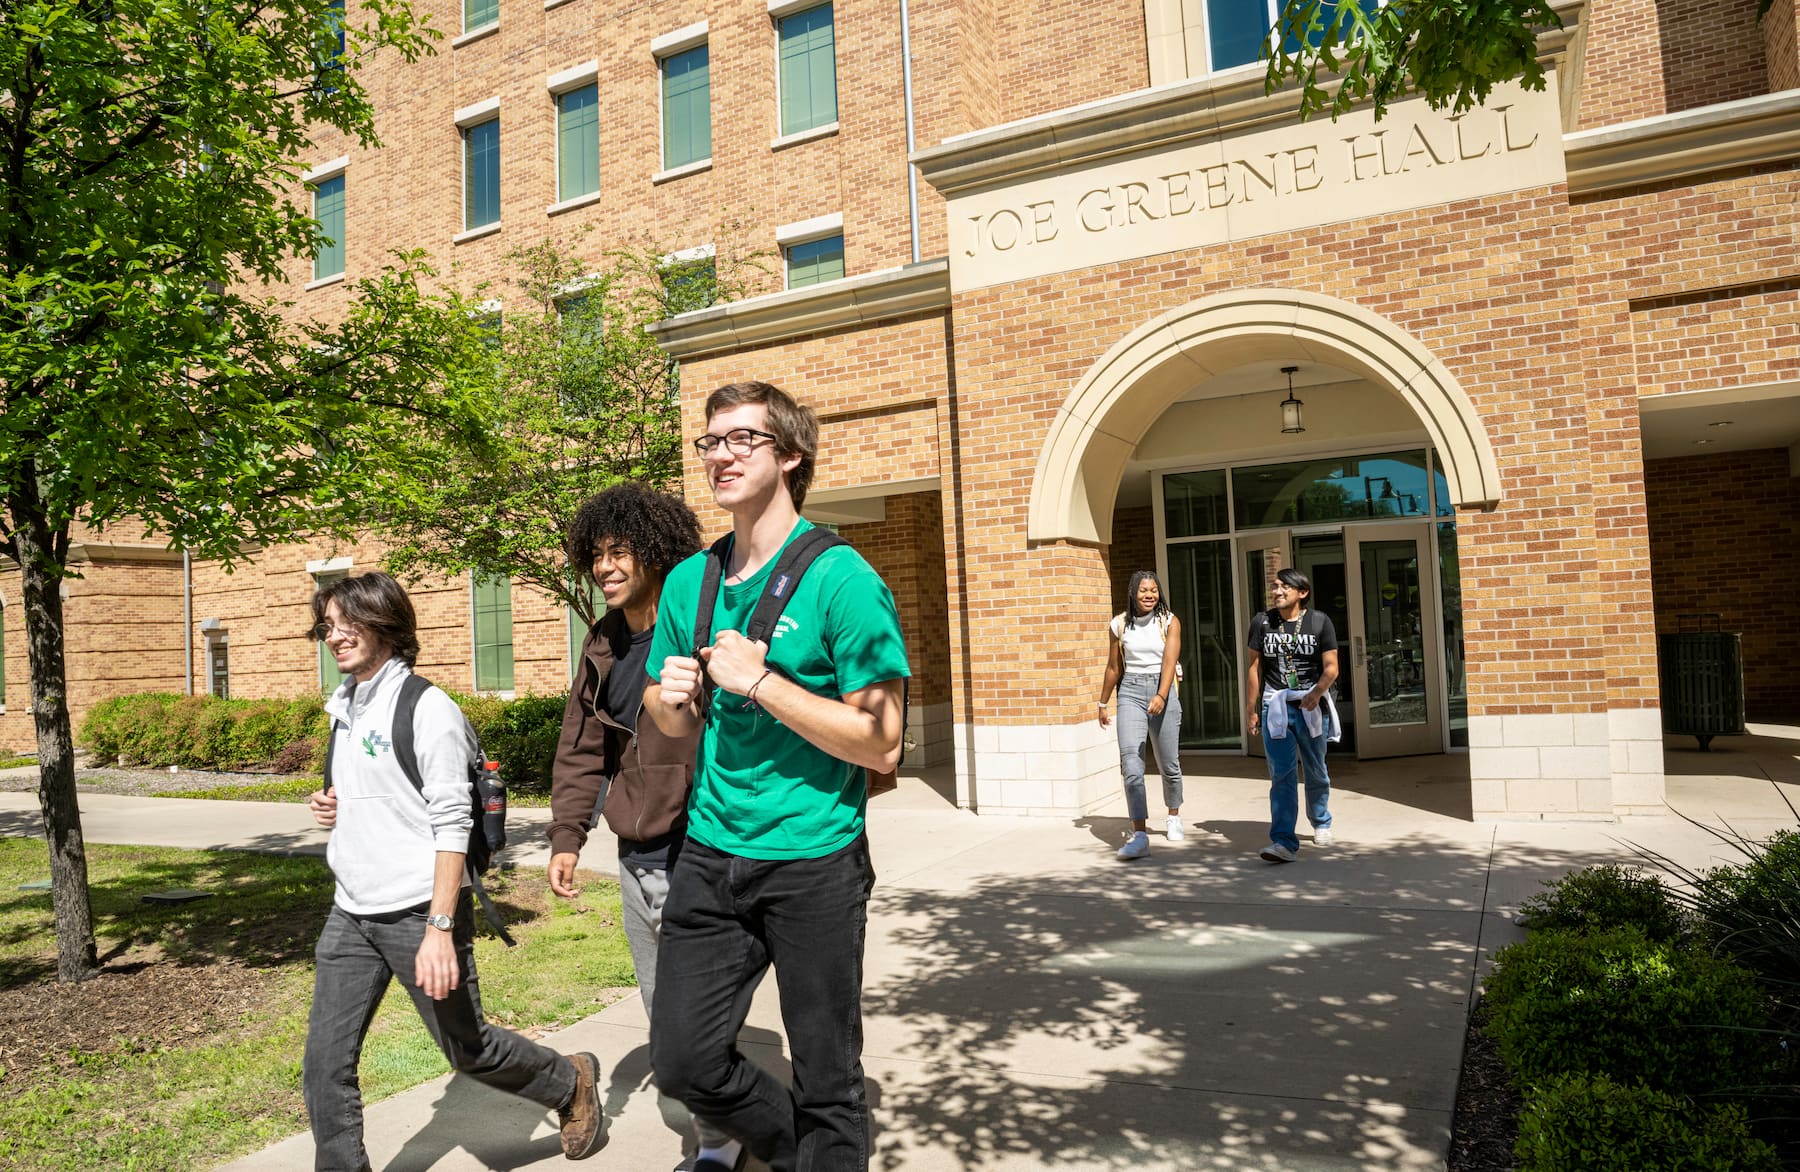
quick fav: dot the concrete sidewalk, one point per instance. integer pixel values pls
(1032, 1003)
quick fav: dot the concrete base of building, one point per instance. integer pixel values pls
(1567, 767)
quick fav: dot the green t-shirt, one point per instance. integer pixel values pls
(761, 791)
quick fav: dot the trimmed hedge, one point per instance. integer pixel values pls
(1620, 1004)
(160, 729)
(1607, 896)
(1595, 1124)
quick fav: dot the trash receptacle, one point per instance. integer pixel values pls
(1702, 680)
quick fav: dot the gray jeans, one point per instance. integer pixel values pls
(356, 957)
(642, 893)
(1136, 689)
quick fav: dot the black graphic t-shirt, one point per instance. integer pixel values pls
(1293, 653)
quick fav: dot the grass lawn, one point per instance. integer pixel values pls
(185, 1051)
(297, 789)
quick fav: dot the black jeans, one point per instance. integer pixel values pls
(356, 957)
(726, 921)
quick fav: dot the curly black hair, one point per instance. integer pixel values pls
(659, 529)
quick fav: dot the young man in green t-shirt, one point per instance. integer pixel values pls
(776, 868)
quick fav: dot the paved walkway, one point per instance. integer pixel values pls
(1034, 1004)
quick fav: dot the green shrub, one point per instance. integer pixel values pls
(521, 734)
(198, 732)
(1595, 1124)
(1751, 910)
(1607, 896)
(1620, 1004)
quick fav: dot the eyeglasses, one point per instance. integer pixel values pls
(739, 441)
(325, 631)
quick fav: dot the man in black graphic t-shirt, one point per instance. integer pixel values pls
(1293, 663)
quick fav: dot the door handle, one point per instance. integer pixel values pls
(1356, 642)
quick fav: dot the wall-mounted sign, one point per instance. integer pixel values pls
(1225, 188)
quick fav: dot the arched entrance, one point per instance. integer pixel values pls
(1108, 413)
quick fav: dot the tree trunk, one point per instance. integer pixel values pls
(42, 552)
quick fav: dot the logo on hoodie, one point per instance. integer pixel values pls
(373, 742)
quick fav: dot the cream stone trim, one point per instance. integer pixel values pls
(476, 34)
(573, 78)
(329, 565)
(693, 168)
(835, 305)
(320, 283)
(477, 113)
(679, 41)
(1743, 133)
(817, 228)
(1107, 414)
(569, 205)
(95, 551)
(823, 130)
(475, 233)
(1225, 104)
(326, 171)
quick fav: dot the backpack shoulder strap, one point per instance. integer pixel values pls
(709, 592)
(790, 567)
(405, 706)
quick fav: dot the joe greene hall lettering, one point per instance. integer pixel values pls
(1251, 185)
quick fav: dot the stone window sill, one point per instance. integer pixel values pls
(790, 140)
(476, 34)
(693, 168)
(333, 279)
(476, 233)
(569, 205)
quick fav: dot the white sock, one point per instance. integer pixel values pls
(726, 1155)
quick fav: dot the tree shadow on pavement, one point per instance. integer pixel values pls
(1196, 1009)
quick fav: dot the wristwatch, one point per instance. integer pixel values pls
(441, 922)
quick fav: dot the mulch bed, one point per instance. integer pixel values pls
(135, 1004)
(1486, 1122)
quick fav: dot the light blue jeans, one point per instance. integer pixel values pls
(1286, 757)
(1136, 690)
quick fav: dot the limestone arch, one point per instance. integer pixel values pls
(1102, 421)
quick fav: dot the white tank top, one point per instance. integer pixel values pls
(1142, 641)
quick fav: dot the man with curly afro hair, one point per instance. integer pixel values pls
(610, 762)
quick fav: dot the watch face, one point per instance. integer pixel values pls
(441, 922)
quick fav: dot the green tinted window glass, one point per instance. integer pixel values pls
(808, 50)
(328, 209)
(689, 285)
(578, 627)
(1194, 504)
(1235, 30)
(1335, 488)
(480, 13)
(578, 142)
(815, 261)
(493, 635)
(687, 107)
(481, 174)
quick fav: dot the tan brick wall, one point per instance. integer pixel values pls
(1650, 57)
(907, 550)
(1779, 49)
(1133, 548)
(1725, 540)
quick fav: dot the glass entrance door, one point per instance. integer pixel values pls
(1392, 648)
(1259, 555)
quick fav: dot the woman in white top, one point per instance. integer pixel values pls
(1142, 651)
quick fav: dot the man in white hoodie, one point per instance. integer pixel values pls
(402, 907)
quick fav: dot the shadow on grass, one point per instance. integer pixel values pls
(1195, 1009)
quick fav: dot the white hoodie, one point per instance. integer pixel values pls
(384, 847)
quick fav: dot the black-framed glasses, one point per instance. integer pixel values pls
(739, 441)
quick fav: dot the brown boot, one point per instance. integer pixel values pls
(583, 1122)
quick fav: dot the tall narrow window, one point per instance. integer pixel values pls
(687, 108)
(578, 627)
(689, 284)
(578, 142)
(480, 14)
(329, 675)
(808, 55)
(481, 174)
(328, 210)
(493, 635)
(815, 261)
(330, 53)
(2, 657)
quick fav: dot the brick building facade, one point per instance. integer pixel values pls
(1547, 354)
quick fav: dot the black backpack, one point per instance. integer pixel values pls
(487, 793)
(790, 567)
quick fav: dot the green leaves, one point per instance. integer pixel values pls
(1451, 52)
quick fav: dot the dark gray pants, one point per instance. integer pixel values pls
(356, 956)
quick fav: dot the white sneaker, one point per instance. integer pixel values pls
(1276, 853)
(1321, 836)
(1176, 833)
(1136, 847)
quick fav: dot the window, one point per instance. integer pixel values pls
(1236, 31)
(480, 14)
(218, 665)
(808, 69)
(481, 174)
(689, 282)
(331, 45)
(493, 634)
(578, 627)
(687, 107)
(577, 142)
(2, 656)
(328, 210)
(815, 261)
(329, 675)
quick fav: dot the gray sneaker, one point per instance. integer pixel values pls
(1136, 847)
(1276, 853)
(1321, 836)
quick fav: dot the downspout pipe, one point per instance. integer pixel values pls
(912, 172)
(187, 616)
